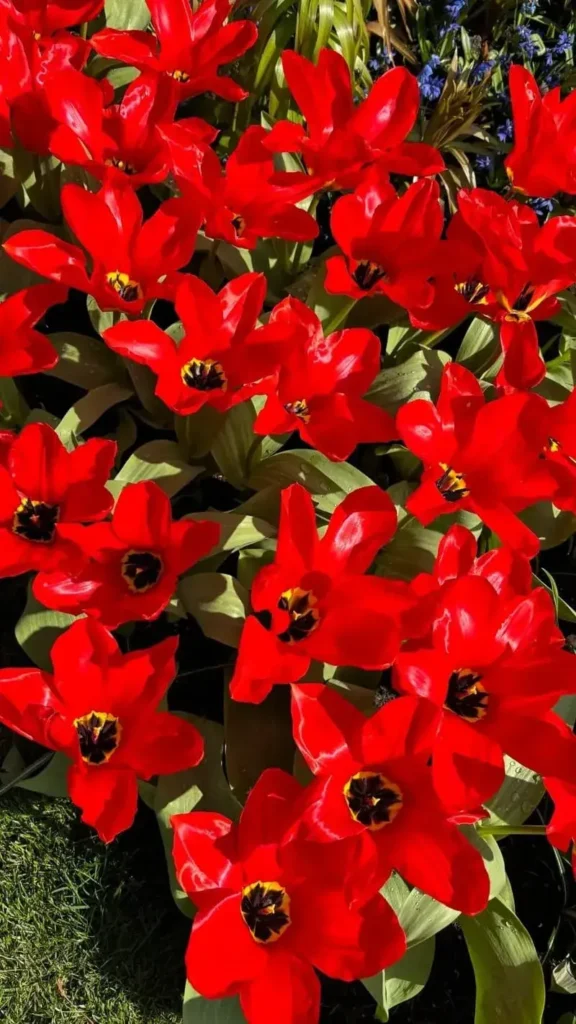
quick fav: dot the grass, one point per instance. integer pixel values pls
(88, 933)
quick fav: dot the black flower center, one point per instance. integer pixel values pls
(265, 907)
(239, 224)
(34, 520)
(372, 799)
(304, 615)
(124, 286)
(204, 375)
(300, 409)
(367, 274)
(466, 695)
(141, 570)
(179, 76)
(451, 484)
(98, 735)
(472, 290)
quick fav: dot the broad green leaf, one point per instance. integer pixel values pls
(88, 411)
(328, 482)
(144, 381)
(518, 796)
(479, 346)
(509, 979)
(237, 449)
(419, 375)
(564, 978)
(491, 855)
(201, 788)
(258, 736)
(218, 603)
(102, 319)
(197, 1010)
(250, 561)
(235, 531)
(51, 781)
(9, 182)
(197, 433)
(83, 361)
(160, 461)
(124, 14)
(567, 1018)
(550, 524)
(14, 411)
(406, 978)
(38, 628)
(421, 917)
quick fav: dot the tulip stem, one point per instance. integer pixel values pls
(512, 830)
(28, 770)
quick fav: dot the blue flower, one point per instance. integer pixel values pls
(454, 9)
(481, 70)
(564, 42)
(483, 162)
(529, 6)
(431, 84)
(542, 206)
(525, 42)
(505, 131)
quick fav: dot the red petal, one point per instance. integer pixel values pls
(222, 954)
(324, 725)
(108, 798)
(362, 524)
(290, 985)
(205, 852)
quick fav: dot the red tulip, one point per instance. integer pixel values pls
(261, 929)
(100, 709)
(132, 563)
(542, 160)
(22, 349)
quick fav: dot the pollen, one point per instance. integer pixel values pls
(204, 375)
(302, 609)
(98, 736)
(473, 291)
(373, 800)
(141, 570)
(265, 907)
(452, 485)
(179, 76)
(367, 274)
(467, 697)
(126, 288)
(122, 165)
(300, 409)
(35, 521)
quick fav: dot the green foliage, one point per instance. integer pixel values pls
(509, 978)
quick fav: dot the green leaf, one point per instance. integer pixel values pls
(197, 1010)
(237, 449)
(123, 14)
(14, 411)
(406, 978)
(83, 361)
(218, 602)
(564, 978)
(258, 736)
(102, 319)
(202, 788)
(550, 524)
(160, 461)
(509, 979)
(9, 182)
(197, 433)
(421, 917)
(420, 374)
(250, 561)
(491, 855)
(38, 628)
(518, 796)
(328, 482)
(88, 411)
(479, 346)
(52, 780)
(235, 531)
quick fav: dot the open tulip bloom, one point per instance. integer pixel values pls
(100, 709)
(261, 926)
(314, 601)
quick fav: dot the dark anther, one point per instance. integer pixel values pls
(367, 274)
(265, 907)
(34, 520)
(301, 607)
(466, 695)
(141, 570)
(204, 375)
(98, 736)
(372, 799)
(451, 484)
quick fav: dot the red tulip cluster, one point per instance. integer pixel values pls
(477, 662)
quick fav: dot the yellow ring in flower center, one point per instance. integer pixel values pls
(265, 907)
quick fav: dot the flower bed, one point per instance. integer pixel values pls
(288, 486)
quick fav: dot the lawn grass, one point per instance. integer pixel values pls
(88, 933)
